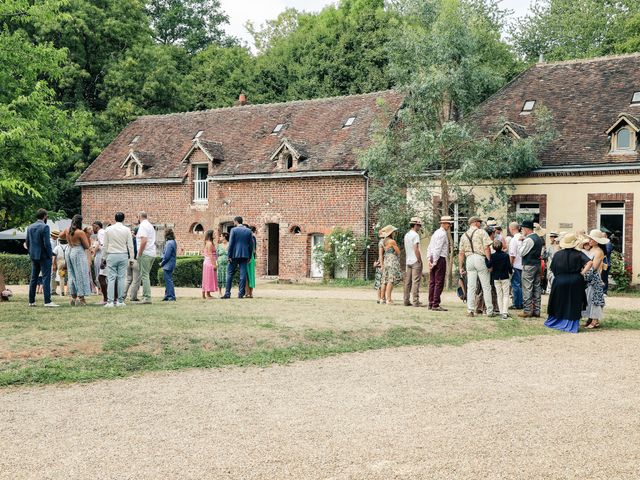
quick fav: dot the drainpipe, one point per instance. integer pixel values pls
(366, 223)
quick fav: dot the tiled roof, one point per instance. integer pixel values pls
(242, 136)
(585, 98)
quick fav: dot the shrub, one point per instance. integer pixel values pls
(620, 272)
(188, 272)
(16, 268)
(341, 249)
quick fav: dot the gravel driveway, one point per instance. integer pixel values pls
(561, 406)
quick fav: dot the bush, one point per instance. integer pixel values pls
(16, 268)
(341, 249)
(620, 272)
(188, 272)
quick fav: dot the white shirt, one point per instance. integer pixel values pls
(146, 230)
(438, 246)
(411, 239)
(513, 251)
(117, 239)
(100, 236)
(525, 247)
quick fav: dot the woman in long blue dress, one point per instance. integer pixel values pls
(77, 265)
(568, 296)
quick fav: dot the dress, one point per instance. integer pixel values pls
(251, 267)
(567, 298)
(595, 295)
(209, 277)
(223, 262)
(78, 271)
(378, 282)
(391, 273)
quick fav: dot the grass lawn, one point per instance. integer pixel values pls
(66, 344)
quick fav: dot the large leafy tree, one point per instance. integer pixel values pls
(37, 134)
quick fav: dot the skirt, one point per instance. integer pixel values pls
(209, 277)
(251, 273)
(378, 282)
(223, 263)
(78, 271)
(570, 326)
(391, 272)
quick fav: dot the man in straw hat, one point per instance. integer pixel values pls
(438, 252)
(475, 255)
(413, 261)
(530, 250)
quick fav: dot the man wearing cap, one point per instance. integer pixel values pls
(413, 270)
(437, 252)
(530, 250)
(475, 254)
(516, 263)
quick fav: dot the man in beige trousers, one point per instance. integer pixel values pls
(413, 269)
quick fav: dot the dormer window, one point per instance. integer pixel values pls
(635, 100)
(349, 122)
(528, 107)
(135, 170)
(277, 128)
(289, 161)
(624, 140)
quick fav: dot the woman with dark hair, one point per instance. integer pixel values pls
(168, 265)
(209, 276)
(251, 266)
(77, 265)
(223, 259)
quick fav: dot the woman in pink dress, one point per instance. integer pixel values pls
(209, 274)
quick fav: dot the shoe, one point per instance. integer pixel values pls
(407, 304)
(491, 315)
(134, 300)
(145, 301)
(439, 309)
(109, 305)
(51, 304)
(241, 296)
(505, 316)
(225, 297)
(524, 315)
(470, 314)
(418, 305)
(32, 304)
(165, 299)
(121, 304)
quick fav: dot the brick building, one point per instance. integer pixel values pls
(290, 169)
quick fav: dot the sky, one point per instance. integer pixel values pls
(258, 11)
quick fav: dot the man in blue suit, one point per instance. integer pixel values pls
(239, 250)
(39, 246)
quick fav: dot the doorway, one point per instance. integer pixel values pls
(317, 240)
(611, 216)
(273, 251)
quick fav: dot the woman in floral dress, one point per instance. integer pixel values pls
(209, 276)
(391, 271)
(223, 260)
(595, 284)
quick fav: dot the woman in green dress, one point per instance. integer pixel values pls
(223, 260)
(251, 266)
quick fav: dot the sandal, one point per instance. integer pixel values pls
(594, 324)
(587, 323)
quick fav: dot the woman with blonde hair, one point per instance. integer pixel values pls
(595, 284)
(391, 271)
(209, 274)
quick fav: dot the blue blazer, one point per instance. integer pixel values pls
(168, 261)
(240, 243)
(39, 241)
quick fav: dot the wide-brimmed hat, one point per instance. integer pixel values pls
(582, 239)
(527, 224)
(553, 234)
(386, 231)
(414, 221)
(55, 233)
(569, 241)
(446, 219)
(474, 220)
(598, 236)
(538, 230)
(492, 222)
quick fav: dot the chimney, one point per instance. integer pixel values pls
(242, 100)
(541, 58)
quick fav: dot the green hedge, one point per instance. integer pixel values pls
(188, 272)
(16, 268)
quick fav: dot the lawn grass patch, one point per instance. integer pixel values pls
(40, 346)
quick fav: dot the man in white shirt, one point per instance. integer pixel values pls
(118, 247)
(530, 249)
(99, 233)
(516, 263)
(438, 252)
(413, 271)
(146, 238)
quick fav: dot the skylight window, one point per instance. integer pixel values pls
(135, 139)
(349, 122)
(278, 127)
(636, 98)
(528, 106)
(199, 134)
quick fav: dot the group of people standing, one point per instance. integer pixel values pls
(495, 268)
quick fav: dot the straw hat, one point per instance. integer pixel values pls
(446, 219)
(569, 241)
(474, 220)
(55, 233)
(553, 234)
(582, 239)
(538, 230)
(598, 236)
(413, 221)
(386, 231)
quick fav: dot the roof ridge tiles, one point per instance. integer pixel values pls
(603, 58)
(264, 105)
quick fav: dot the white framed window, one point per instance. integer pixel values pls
(611, 215)
(277, 128)
(624, 140)
(459, 211)
(349, 122)
(528, 107)
(529, 210)
(200, 185)
(636, 98)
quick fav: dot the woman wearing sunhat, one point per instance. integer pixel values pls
(568, 296)
(595, 285)
(391, 272)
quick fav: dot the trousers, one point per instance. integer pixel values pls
(412, 279)
(477, 271)
(531, 288)
(436, 282)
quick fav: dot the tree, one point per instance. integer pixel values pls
(568, 29)
(192, 24)
(36, 133)
(265, 36)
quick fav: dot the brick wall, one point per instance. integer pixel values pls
(316, 205)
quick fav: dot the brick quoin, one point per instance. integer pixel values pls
(316, 205)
